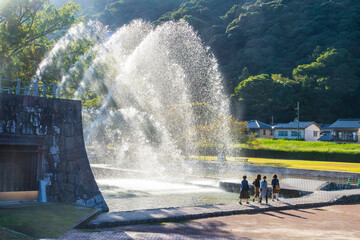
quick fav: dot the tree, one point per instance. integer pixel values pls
(266, 95)
(28, 29)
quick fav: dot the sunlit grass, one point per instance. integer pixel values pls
(302, 146)
(298, 164)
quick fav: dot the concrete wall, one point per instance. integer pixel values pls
(309, 133)
(267, 133)
(65, 164)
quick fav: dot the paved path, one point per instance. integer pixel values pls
(318, 198)
(329, 222)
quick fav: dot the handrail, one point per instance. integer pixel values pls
(29, 88)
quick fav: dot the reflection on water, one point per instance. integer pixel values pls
(126, 194)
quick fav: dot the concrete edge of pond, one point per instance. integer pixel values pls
(149, 216)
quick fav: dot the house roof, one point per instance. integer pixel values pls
(293, 125)
(255, 124)
(346, 123)
(324, 126)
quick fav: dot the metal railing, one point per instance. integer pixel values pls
(19, 87)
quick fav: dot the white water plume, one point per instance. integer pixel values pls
(148, 77)
(91, 30)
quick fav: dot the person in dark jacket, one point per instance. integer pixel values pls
(256, 184)
(275, 187)
(244, 191)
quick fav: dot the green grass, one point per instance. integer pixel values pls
(8, 235)
(47, 220)
(298, 164)
(302, 146)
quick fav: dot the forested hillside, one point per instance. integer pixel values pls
(313, 44)
(272, 53)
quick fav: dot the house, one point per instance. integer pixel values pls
(263, 130)
(325, 133)
(308, 131)
(346, 130)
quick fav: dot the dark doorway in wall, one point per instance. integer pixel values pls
(20, 168)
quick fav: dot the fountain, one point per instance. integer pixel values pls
(156, 81)
(157, 85)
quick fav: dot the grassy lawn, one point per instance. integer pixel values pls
(300, 164)
(8, 235)
(287, 145)
(41, 220)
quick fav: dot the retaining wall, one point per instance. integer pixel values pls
(57, 122)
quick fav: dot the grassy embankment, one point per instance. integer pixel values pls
(301, 150)
(298, 154)
(48, 220)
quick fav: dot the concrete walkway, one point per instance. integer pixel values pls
(316, 199)
(323, 223)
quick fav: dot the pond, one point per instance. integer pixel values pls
(126, 194)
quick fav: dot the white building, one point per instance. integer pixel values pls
(308, 131)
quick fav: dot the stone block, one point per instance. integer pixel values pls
(80, 202)
(99, 198)
(27, 129)
(71, 178)
(27, 101)
(69, 143)
(61, 177)
(56, 130)
(79, 191)
(11, 126)
(79, 142)
(56, 158)
(83, 163)
(35, 119)
(57, 119)
(54, 150)
(91, 202)
(66, 196)
(70, 188)
(70, 167)
(69, 130)
(78, 129)
(55, 189)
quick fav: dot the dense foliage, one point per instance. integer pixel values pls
(28, 30)
(313, 44)
(272, 53)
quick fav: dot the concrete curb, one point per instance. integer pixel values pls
(82, 223)
(116, 223)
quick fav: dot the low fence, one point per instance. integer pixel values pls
(19, 87)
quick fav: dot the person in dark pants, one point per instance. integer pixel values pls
(275, 187)
(256, 184)
(244, 191)
(263, 190)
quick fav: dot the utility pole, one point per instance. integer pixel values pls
(272, 126)
(298, 120)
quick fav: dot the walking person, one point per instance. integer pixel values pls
(256, 184)
(244, 191)
(275, 187)
(263, 190)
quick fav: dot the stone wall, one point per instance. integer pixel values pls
(65, 164)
